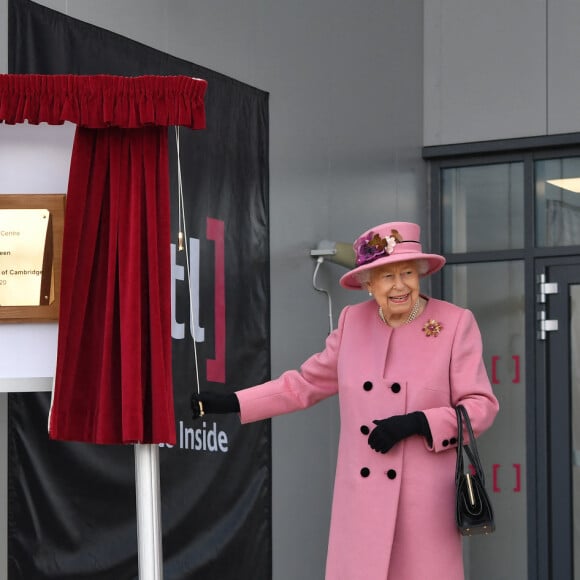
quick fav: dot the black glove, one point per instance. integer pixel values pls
(210, 402)
(390, 431)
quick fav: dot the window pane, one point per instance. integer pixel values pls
(494, 292)
(558, 203)
(483, 207)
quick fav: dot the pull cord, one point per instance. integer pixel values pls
(183, 245)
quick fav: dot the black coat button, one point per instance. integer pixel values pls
(364, 430)
(367, 386)
(445, 442)
(453, 440)
(365, 472)
(396, 387)
(391, 474)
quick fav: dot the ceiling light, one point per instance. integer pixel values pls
(571, 184)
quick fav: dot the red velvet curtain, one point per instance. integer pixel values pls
(113, 375)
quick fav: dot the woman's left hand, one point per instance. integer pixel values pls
(390, 431)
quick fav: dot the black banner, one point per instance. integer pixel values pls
(71, 507)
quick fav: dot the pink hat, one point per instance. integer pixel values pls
(386, 244)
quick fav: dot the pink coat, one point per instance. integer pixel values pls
(393, 513)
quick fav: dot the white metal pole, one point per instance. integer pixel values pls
(149, 535)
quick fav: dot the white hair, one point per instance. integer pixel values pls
(364, 276)
(422, 266)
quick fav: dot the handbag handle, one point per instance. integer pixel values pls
(469, 448)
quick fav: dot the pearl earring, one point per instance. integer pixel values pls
(370, 293)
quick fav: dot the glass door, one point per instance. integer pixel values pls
(563, 419)
(483, 220)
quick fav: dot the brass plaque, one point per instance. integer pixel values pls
(25, 257)
(44, 306)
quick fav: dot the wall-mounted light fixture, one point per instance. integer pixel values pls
(340, 253)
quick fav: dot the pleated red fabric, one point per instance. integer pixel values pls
(113, 382)
(99, 101)
(113, 378)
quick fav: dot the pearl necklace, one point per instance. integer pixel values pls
(412, 315)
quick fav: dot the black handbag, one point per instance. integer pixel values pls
(474, 513)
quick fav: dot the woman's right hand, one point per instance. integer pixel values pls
(210, 402)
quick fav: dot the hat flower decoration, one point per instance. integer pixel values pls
(369, 248)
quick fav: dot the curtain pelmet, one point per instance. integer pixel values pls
(99, 101)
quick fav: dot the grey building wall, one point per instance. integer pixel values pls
(500, 70)
(345, 83)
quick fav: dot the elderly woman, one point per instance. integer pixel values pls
(399, 362)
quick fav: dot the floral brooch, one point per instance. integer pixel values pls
(432, 328)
